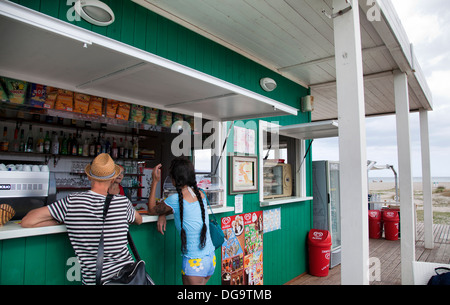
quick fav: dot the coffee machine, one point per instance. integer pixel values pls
(25, 191)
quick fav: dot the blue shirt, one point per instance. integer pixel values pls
(192, 224)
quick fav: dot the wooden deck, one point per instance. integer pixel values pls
(388, 252)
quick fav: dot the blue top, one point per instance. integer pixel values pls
(192, 224)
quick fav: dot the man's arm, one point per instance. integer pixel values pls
(40, 217)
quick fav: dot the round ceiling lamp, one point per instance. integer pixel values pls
(95, 12)
(267, 84)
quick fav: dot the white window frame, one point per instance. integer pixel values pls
(300, 175)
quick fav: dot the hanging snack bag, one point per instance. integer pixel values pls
(137, 113)
(111, 108)
(81, 103)
(96, 105)
(14, 90)
(64, 100)
(123, 111)
(166, 118)
(37, 95)
(151, 116)
(51, 95)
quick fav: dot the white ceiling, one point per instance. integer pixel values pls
(294, 38)
(48, 51)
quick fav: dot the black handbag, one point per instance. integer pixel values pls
(130, 274)
(442, 277)
(215, 229)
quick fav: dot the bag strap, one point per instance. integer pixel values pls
(98, 275)
(207, 200)
(133, 247)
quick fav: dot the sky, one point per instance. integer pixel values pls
(427, 24)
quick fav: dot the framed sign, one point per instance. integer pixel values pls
(243, 174)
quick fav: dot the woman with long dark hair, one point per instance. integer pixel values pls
(191, 218)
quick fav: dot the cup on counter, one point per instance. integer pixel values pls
(26, 168)
(3, 167)
(35, 168)
(11, 167)
(44, 168)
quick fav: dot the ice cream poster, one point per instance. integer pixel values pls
(242, 251)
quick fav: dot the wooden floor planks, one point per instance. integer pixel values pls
(388, 252)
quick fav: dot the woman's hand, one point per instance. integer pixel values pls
(156, 174)
(161, 224)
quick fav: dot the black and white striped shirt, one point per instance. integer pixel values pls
(82, 214)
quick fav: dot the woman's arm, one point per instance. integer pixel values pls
(153, 208)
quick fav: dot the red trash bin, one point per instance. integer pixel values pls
(375, 224)
(319, 246)
(391, 224)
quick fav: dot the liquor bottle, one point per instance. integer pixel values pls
(80, 145)
(108, 146)
(114, 150)
(22, 141)
(86, 147)
(74, 146)
(65, 145)
(40, 142)
(126, 150)
(92, 146)
(47, 143)
(98, 146)
(5, 143)
(136, 148)
(55, 143)
(16, 144)
(29, 146)
(121, 149)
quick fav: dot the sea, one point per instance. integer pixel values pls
(415, 179)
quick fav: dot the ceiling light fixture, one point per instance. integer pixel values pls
(95, 12)
(267, 84)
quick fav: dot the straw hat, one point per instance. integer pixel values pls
(102, 168)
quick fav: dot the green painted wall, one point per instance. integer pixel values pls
(44, 259)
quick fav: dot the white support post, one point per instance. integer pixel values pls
(426, 180)
(407, 214)
(352, 145)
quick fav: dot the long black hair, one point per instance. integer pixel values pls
(183, 174)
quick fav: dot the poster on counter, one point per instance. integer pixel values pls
(242, 251)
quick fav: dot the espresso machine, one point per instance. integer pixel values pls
(25, 191)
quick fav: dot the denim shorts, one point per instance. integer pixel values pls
(199, 266)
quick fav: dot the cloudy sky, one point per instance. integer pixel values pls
(427, 24)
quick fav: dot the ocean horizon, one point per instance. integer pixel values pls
(415, 179)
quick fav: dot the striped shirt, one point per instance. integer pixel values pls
(82, 214)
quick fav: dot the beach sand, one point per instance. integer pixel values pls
(440, 197)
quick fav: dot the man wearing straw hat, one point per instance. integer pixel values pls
(82, 213)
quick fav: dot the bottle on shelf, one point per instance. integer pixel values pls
(29, 145)
(98, 146)
(22, 141)
(114, 150)
(16, 143)
(65, 145)
(74, 146)
(4, 144)
(92, 146)
(55, 144)
(126, 150)
(80, 145)
(136, 148)
(121, 149)
(47, 143)
(86, 147)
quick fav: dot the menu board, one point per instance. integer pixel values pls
(242, 251)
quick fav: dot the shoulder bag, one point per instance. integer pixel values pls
(215, 229)
(130, 274)
(442, 277)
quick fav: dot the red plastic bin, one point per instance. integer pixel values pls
(319, 247)
(391, 221)
(375, 224)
